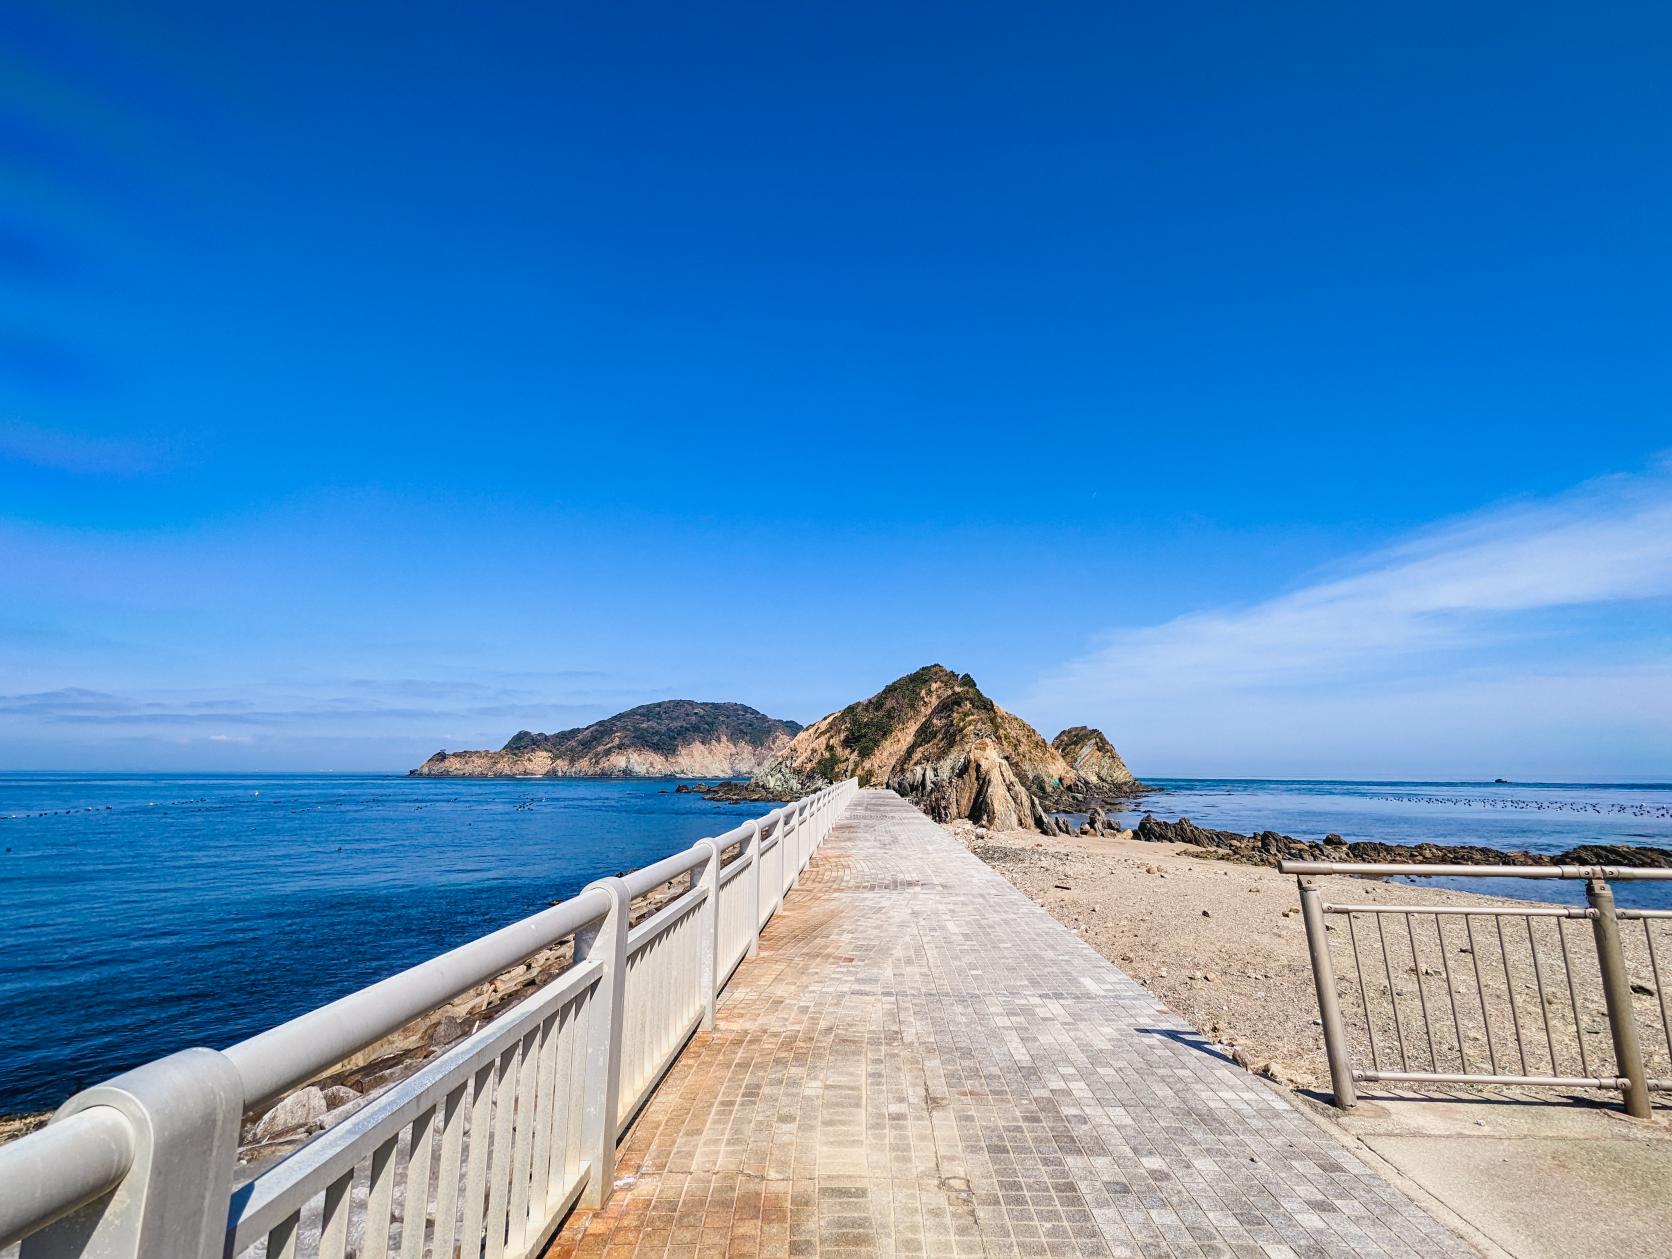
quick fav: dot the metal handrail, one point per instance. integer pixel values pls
(1517, 1044)
(666, 870)
(282, 1057)
(62, 1168)
(518, 1120)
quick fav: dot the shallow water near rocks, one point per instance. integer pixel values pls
(1538, 817)
(147, 913)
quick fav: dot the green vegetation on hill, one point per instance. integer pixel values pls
(663, 728)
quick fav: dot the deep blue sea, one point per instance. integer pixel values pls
(140, 914)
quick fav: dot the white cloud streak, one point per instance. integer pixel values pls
(1556, 606)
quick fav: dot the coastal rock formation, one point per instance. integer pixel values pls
(1093, 758)
(1267, 848)
(678, 738)
(936, 739)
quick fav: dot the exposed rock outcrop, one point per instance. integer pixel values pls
(1267, 848)
(1094, 759)
(678, 738)
(937, 740)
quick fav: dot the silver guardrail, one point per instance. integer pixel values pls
(483, 1149)
(1522, 1000)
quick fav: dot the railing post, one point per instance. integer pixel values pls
(754, 878)
(606, 941)
(781, 834)
(184, 1110)
(1616, 992)
(1329, 1004)
(710, 929)
(792, 855)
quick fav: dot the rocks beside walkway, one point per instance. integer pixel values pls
(1267, 848)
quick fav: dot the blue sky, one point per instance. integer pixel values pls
(1283, 389)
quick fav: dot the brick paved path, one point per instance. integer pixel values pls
(922, 1062)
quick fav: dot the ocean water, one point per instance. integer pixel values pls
(141, 914)
(1538, 817)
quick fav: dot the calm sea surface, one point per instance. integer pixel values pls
(140, 914)
(144, 913)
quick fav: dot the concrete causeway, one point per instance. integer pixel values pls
(921, 1061)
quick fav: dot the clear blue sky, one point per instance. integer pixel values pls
(382, 378)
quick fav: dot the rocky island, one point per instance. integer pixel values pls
(935, 738)
(675, 738)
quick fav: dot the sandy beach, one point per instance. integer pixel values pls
(1222, 944)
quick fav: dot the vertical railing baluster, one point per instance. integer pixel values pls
(1543, 1005)
(1393, 996)
(1451, 994)
(333, 1231)
(416, 1209)
(576, 1051)
(1573, 999)
(380, 1197)
(447, 1182)
(281, 1238)
(1364, 995)
(545, 1120)
(476, 1170)
(1660, 987)
(500, 1156)
(1422, 994)
(1480, 992)
(522, 1143)
(1509, 992)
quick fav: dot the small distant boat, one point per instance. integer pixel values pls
(1505, 781)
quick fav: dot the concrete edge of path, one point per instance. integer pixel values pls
(1388, 1171)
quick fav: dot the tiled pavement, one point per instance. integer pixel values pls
(922, 1062)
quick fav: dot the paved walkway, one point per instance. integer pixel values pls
(922, 1062)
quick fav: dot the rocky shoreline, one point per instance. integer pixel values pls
(1267, 848)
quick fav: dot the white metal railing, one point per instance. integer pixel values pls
(483, 1150)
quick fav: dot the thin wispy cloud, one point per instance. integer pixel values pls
(361, 724)
(1480, 610)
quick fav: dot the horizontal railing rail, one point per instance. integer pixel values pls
(1506, 994)
(482, 1149)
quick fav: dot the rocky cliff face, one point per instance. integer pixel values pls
(677, 738)
(1093, 758)
(937, 740)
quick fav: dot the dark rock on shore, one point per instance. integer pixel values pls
(1267, 848)
(732, 792)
